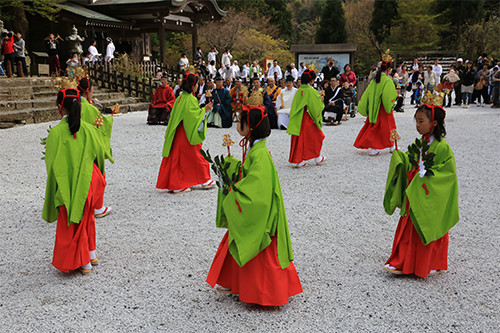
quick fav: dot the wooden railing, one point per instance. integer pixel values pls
(139, 86)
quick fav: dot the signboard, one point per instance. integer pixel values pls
(268, 62)
(317, 61)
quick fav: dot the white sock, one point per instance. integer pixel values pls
(432, 271)
(301, 164)
(318, 159)
(392, 268)
(92, 255)
(87, 266)
(100, 210)
(373, 151)
(218, 286)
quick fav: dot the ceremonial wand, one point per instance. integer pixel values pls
(394, 137)
(227, 142)
(115, 109)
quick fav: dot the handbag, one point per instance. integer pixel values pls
(480, 85)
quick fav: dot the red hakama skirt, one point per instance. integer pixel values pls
(185, 166)
(309, 143)
(260, 281)
(74, 241)
(377, 136)
(410, 255)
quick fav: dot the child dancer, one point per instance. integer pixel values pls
(255, 256)
(305, 124)
(376, 104)
(423, 184)
(91, 115)
(74, 185)
(183, 166)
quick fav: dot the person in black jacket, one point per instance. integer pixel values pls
(330, 70)
(53, 52)
(334, 104)
(459, 69)
(468, 77)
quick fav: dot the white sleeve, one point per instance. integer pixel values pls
(202, 124)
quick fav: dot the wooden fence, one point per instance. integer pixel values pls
(139, 86)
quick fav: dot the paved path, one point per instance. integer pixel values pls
(155, 249)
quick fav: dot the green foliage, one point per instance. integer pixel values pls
(383, 15)
(482, 37)
(358, 15)
(48, 9)
(332, 25)
(416, 22)
(123, 63)
(282, 18)
(421, 148)
(256, 45)
(456, 14)
(275, 10)
(43, 142)
(306, 19)
(219, 167)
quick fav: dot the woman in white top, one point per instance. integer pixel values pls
(429, 79)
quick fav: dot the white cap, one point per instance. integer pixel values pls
(460, 60)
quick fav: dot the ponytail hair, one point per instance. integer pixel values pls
(435, 113)
(188, 82)
(383, 67)
(308, 76)
(69, 99)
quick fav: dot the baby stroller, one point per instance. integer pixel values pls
(352, 106)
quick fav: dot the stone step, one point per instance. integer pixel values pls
(30, 116)
(24, 81)
(32, 100)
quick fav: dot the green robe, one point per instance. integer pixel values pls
(89, 114)
(262, 214)
(69, 163)
(305, 96)
(186, 110)
(375, 94)
(435, 213)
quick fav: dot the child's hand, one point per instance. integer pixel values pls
(208, 107)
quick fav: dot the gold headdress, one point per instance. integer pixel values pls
(387, 56)
(256, 98)
(433, 98)
(71, 80)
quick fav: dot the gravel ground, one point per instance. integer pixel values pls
(155, 248)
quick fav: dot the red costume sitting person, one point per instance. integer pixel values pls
(161, 104)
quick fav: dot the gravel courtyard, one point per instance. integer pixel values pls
(155, 248)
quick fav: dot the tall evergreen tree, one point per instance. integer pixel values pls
(332, 25)
(281, 17)
(383, 16)
(458, 15)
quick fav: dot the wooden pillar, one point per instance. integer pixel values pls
(194, 39)
(161, 37)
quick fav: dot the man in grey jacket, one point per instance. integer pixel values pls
(19, 46)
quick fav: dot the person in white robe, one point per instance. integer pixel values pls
(284, 103)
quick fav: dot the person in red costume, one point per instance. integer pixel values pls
(161, 104)
(8, 52)
(376, 105)
(306, 121)
(183, 166)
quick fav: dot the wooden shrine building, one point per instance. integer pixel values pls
(128, 22)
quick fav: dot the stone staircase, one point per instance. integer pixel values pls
(33, 100)
(445, 62)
